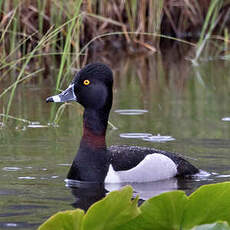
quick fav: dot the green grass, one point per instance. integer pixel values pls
(210, 23)
(40, 37)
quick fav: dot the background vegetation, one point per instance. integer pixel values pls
(50, 39)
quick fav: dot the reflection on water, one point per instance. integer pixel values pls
(184, 104)
(86, 193)
(147, 190)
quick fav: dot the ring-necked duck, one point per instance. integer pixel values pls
(92, 88)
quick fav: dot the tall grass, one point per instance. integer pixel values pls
(31, 53)
(210, 23)
(38, 38)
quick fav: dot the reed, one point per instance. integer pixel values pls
(210, 23)
(27, 21)
(59, 36)
(59, 113)
(65, 57)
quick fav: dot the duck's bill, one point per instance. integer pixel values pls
(66, 95)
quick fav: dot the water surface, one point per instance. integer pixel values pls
(185, 107)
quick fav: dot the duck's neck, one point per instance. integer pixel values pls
(94, 128)
(91, 161)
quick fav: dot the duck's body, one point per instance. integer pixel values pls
(92, 88)
(142, 164)
(128, 164)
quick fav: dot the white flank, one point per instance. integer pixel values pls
(56, 98)
(154, 167)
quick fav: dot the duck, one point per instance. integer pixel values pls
(92, 87)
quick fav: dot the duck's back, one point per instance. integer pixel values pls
(124, 158)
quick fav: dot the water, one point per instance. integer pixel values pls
(186, 107)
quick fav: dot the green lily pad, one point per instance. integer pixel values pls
(112, 212)
(169, 211)
(175, 211)
(67, 220)
(208, 204)
(162, 212)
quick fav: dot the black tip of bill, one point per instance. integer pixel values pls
(49, 99)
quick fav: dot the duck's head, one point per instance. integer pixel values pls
(91, 87)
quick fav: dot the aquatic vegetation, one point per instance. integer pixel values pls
(70, 26)
(38, 38)
(206, 208)
(115, 210)
(209, 25)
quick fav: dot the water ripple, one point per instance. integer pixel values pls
(225, 119)
(64, 164)
(159, 138)
(131, 111)
(147, 137)
(26, 178)
(11, 169)
(36, 124)
(135, 135)
(223, 176)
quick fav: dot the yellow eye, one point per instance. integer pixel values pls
(86, 82)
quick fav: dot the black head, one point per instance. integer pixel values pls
(91, 87)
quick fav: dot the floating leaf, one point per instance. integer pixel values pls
(168, 211)
(162, 212)
(208, 204)
(67, 220)
(173, 210)
(112, 212)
